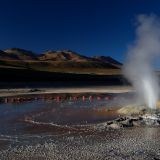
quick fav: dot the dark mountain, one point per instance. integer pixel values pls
(5, 56)
(20, 54)
(108, 59)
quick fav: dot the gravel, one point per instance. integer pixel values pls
(123, 144)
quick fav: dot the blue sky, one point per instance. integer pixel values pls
(89, 27)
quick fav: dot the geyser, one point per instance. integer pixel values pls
(138, 68)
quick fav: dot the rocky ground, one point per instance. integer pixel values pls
(134, 144)
(151, 120)
(129, 137)
(136, 116)
(134, 135)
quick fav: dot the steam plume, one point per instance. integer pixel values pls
(141, 55)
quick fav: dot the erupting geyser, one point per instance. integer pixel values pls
(138, 68)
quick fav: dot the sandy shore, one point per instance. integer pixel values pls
(31, 91)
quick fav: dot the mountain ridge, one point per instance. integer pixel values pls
(20, 61)
(20, 54)
(55, 56)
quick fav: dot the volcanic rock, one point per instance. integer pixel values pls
(133, 110)
(151, 119)
(115, 126)
(131, 121)
(138, 123)
(127, 123)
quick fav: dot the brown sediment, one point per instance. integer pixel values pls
(42, 125)
(54, 96)
(63, 96)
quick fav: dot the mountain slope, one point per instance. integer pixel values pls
(65, 61)
(5, 56)
(108, 59)
(65, 55)
(60, 56)
(20, 54)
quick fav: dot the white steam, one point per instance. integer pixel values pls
(141, 55)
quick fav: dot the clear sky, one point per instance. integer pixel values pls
(89, 27)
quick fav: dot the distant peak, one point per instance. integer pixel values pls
(108, 59)
(20, 54)
(50, 51)
(60, 51)
(66, 51)
(17, 50)
(52, 55)
(63, 55)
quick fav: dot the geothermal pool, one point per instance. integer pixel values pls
(42, 129)
(24, 117)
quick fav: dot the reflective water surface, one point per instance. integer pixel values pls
(17, 117)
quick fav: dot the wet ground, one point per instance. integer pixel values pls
(46, 129)
(16, 118)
